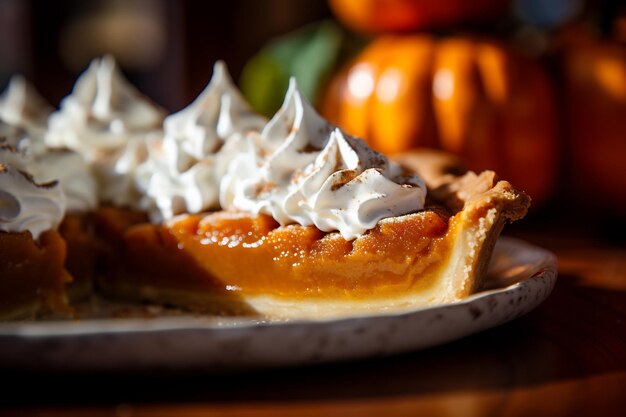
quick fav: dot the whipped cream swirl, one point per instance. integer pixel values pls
(108, 122)
(23, 115)
(21, 107)
(26, 205)
(317, 175)
(219, 112)
(184, 170)
(61, 165)
(72, 173)
(14, 137)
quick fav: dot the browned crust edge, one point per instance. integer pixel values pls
(483, 204)
(458, 189)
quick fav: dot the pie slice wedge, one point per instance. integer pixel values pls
(233, 262)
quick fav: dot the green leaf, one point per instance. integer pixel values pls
(263, 83)
(309, 54)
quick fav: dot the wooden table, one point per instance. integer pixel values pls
(568, 357)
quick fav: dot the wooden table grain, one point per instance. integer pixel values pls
(567, 357)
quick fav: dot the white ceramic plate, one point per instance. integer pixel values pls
(521, 277)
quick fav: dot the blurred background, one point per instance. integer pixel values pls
(534, 89)
(167, 48)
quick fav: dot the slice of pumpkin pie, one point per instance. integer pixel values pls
(313, 223)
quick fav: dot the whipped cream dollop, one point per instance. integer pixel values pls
(22, 107)
(72, 173)
(23, 115)
(303, 170)
(26, 205)
(61, 165)
(108, 122)
(14, 137)
(183, 172)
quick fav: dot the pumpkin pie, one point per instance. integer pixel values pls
(32, 253)
(234, 262)
(313, 223)
(45, 198)
(225, 212)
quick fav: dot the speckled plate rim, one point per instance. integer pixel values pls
(523, 276)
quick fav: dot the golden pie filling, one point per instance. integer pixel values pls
(82, 253)
(253, 255)
(240, 255)
(33, 274)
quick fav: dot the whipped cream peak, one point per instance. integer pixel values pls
(309, 172)
(183, 171)
(22, 106)
(216, 114)
(103, 112)
(14, 137)
(108, 121)
(113, 99)
(26, 205)
(63, 166)
(296, 124)
(293, 136)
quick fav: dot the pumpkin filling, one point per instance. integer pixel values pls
(82, 253)
(236, 253)
(32, 274)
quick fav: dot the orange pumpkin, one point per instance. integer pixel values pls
(403, 15)
(595, 88)
(472, 97)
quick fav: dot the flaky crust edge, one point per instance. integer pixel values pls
(482, 205)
